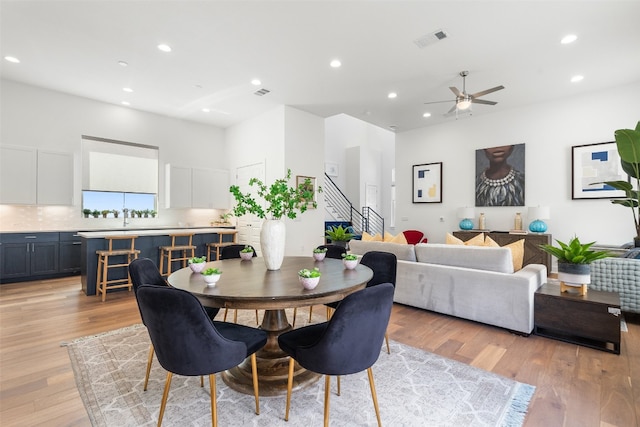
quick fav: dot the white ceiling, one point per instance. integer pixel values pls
(220, 46)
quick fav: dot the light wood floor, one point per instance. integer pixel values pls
(576, 386)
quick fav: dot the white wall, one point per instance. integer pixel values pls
(549, 131)
(41, 118)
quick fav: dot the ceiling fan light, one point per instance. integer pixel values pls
(464, 104)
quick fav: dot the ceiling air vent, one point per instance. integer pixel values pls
(261, 92)
(431, 38)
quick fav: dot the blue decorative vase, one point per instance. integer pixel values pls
(466, 224)
(537, 226)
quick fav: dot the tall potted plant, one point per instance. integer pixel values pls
(280, 200)
(628, 144)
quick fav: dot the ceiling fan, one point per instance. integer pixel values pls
(463, 100)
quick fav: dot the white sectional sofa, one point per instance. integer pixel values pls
(475, 283)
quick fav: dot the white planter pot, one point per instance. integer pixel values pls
(319, 256)
(272, 241)
(309, 282)
(211, 279)
(197, 267)
(576, 274)
(246, 256)
(350, 264)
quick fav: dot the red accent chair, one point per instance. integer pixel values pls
(414, 236)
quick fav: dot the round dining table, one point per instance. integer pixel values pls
(249, 285)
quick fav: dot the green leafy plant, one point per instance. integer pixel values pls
(281, 199)
(339, 234)
(349, 257)
(197, 260)
(247, 250)
(86, 212)
(309, 273)
(224, 218)
(211, 271)
(95, 213)
(574, 252)
(628, 144)
(115, 213)
(105, 212)
(153, 213)
(320, 250)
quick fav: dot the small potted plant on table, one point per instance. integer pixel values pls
(319, 254)
(196, 264)
(246, 253)
(211, 276)
(309, 278)
(350, 261)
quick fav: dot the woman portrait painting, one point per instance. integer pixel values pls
(500, 176)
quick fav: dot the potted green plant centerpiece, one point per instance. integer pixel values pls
(319, 254)
(280, 200)
(246, 253)
(309, 278)
(339, 235)
(350, 261)
(196, 264)
(628, 144)
(211, 276)
(573, 262)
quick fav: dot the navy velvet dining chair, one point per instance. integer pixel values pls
(232, 252)
(348, 343)
(384, 266)
(143, 271)
(189, 343)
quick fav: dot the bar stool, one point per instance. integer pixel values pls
(102, 277)
(217, 246)
(181, 243)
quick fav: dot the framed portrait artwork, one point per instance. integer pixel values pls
(427, 183)
(500, 176)
(311, 186)
(591, 165)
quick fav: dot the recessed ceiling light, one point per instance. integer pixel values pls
(569, 38)
(576, 79)
(426, 115)
(12, 59)
(392, 95)
(123, 64)
(335, 63)
(127, 89)
(256, 82)
(125, 103)
(206, 110)
(164, 47)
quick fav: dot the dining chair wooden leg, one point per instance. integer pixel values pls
(386, 339)
(254, 373)
(226, 310)
(374, 396)
(289, 386)
(201, 380)
(295, 312)
(235, 316)
(338, 385)
(257, 321)
(167, 386)
(310, 312)
(327, 394)
(214, 406)
(149, 360)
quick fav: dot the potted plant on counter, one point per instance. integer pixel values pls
(95, 213)
(309, 278)
(105, 213)
(246, 253)
(196, 264)
(86, 212)
(115, 213)
(211, 276)
(573, 262)
(319, 254)
(350, 261)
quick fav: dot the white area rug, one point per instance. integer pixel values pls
(414, 387)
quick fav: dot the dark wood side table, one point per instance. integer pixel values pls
(592, 320)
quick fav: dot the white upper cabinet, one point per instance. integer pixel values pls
(197, 188)
(55, 178)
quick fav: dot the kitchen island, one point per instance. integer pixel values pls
(147, 242)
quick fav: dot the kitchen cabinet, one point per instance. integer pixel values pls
(199, 188)
(70, 250)
(25, 255)
(29, 176)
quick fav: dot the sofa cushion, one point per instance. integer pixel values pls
(476, 257)
(369, 238)
(401, 251)
(477, 240)
(388, 237)
(517, 251)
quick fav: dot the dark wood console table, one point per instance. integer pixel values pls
(532, 252)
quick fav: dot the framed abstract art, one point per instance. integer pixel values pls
(427, 183)
(591, 164)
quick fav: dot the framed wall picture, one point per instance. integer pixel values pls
(331, 169)
(301, 180)
(591, 164)
(427, 183)
(500, 176)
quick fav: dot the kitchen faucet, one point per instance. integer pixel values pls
(125, 213)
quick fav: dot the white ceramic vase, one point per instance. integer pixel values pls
(272, 240)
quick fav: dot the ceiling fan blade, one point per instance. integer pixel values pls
(455, 91)
(482, 101)
(451, 110)
(440, 102)
(484, 92)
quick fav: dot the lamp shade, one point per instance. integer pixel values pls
(466, 212)
(538, 212)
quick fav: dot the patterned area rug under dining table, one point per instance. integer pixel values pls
(414, 388)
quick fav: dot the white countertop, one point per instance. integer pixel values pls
(152, 232)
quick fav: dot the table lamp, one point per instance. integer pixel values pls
(466, 214)
(539, 213)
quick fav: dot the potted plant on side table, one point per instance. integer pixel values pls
(573, 263)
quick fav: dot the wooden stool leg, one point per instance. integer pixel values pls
(105, 277)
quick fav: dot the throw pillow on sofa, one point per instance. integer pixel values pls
(390, 238)
(369, 238)
(517, 251)
(477, 240)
